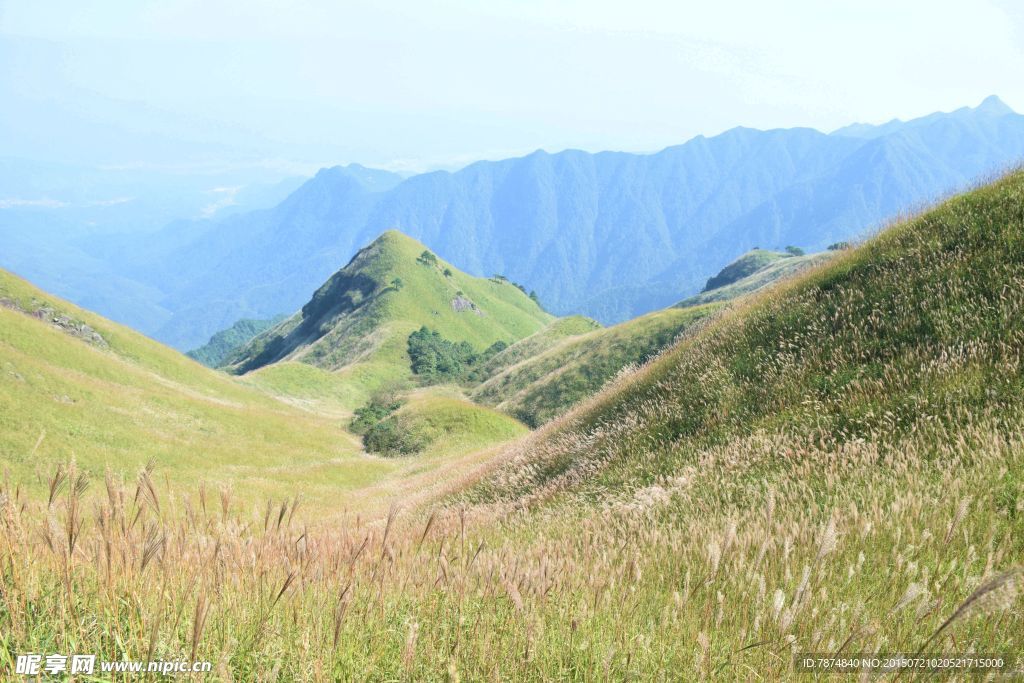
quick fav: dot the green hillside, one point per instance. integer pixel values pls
(443, 423)
(74, 385)
(545, 374)
(918, 326)
(312, 388)
(751, 272)
(834, 466)
(555, 333)
(360, 320)
(226, 342)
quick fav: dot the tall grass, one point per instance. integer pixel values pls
(711, 571)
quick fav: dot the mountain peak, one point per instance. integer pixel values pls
(397, 236)
(394, 285)
(993, 106)
(394, 241)
(357, 175)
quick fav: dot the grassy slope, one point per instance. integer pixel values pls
(544, 375)
(452, 425)
(839, 351)
(309, 387)
(836, 460)
(537, 343)
(358, 323)
(568, 368)
(131, 400)
(771, 271)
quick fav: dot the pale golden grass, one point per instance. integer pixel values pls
(711, 572)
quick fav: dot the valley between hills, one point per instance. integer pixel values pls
(327, 400)
(424, 471)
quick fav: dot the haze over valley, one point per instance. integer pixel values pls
(608, 235)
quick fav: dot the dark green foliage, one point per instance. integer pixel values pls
(794, 251)
(392, 437)
(495, 348)
(536, 299)
(226, 342)
(373, 412)
(529, 416)
(839, 246)
(447, 272)
(397, 284)
(436, 359)
(427, 258)
(384, 432)
(1007, 496)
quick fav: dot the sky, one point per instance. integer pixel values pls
(422, 84)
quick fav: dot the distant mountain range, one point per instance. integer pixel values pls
(611, 235)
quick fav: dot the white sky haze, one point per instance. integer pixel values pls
(437, 83)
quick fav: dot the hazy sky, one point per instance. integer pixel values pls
(425, 83)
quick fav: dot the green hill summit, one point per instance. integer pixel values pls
(746, 265)
(366, 311)
(750, 272)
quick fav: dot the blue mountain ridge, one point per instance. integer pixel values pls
(610, 235)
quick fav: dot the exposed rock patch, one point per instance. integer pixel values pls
(63, 322)
(461, 304)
